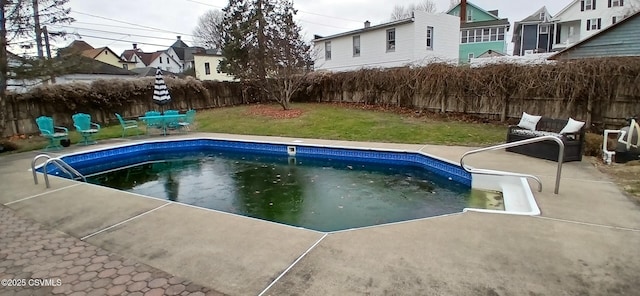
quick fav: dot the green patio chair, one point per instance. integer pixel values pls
(85, 127)
(53, 133)
(188, 121)
(128, 124)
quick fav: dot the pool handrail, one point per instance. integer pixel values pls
(61, 164)
(518, 143)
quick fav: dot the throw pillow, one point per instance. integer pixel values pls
(529, 121)
(572, 126)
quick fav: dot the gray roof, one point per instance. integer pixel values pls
(535, 17)
(151, 71)
(495, 23)
(97, 67)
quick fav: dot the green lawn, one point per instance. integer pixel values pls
(327, 121)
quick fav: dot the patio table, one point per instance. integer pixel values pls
(163, 120)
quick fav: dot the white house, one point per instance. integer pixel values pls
(133, 56)
(206, 66)
(584, 18)
(419, 40)
(161, 59)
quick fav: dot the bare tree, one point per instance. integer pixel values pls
(207, 33)
(453, 3)
(18, 19)
(263, 48)
(401, 12)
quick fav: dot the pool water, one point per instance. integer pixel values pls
(319, 194)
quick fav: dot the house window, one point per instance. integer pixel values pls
(616, 3)
(485, 34)
(501, 34)
(327, 50)
(356, 46)
(617, 18)
(207, 69)
(429, 37)
(160, 60)
(494, 34)
(593, 24)
(106, 52)
(542, 15)
(470, 56)
(391, 40)
(544, 29)
(464, 36)
(125, 66)
(478, 37)
(587, 5)
(469, 16)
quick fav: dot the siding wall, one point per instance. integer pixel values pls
(410, 45)
(108, 58)
(623, 40)
(602, 11)
(479, 48)
(214, 61)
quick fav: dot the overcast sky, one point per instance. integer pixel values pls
(154, 24)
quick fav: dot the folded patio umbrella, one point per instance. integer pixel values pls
(160, 91)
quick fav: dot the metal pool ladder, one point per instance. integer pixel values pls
(63, 166)
(513, 144)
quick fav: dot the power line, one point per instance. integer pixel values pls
(119, 40)
(123, 27)
(302, 11)
(118, 33)
(124, 22)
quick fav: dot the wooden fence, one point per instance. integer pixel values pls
(601, 92)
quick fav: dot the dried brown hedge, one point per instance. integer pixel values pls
(586, 83)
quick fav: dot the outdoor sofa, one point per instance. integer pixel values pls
(570, 131)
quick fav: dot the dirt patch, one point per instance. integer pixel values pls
(275, 112)
(625, 175)
(419, 113)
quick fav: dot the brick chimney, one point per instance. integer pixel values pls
(135, 46)
(367, 24)
(179, 37)
(463, 11)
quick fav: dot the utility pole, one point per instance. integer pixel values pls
(46, 42)
(36, 22)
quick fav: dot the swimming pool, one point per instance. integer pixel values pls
(415, 171)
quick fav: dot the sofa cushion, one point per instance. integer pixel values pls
(528, 133)
(529, 121)
(573, 126)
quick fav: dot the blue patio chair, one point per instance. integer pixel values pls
(53, 133)
(128, 124)
(188, 121)
(85, 127)
(152, 123)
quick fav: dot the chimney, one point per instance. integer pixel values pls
(179, 37)
(367, 24)
(135, 46)
(463, 11)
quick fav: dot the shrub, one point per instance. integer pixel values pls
(593, 144)
(6, 146)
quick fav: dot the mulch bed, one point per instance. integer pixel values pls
(275, 112)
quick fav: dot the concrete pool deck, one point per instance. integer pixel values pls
(585, 241)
